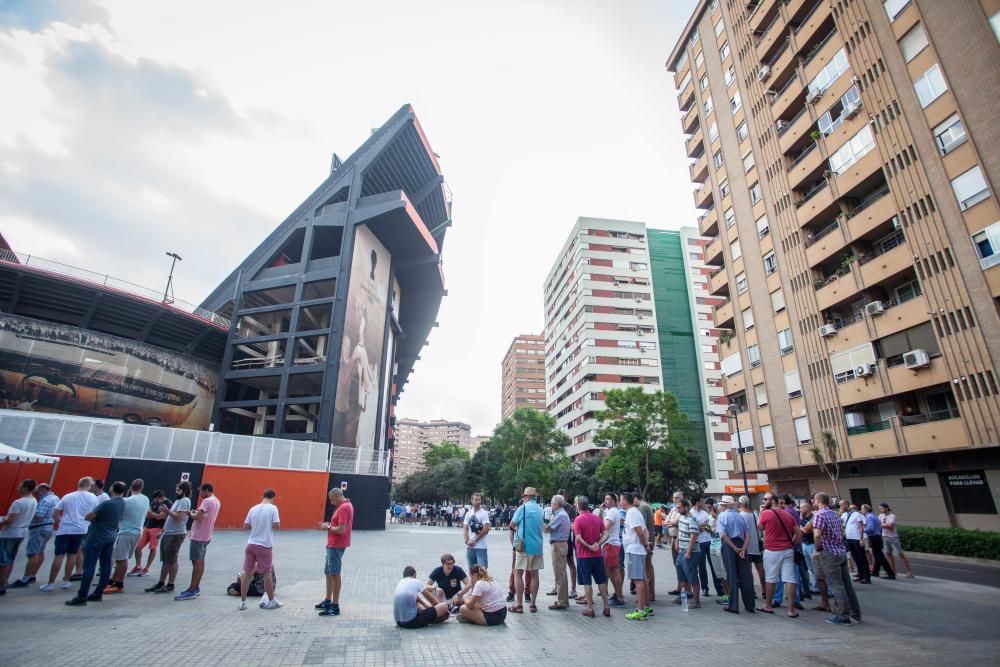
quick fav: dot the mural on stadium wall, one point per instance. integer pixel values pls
(48, 367)
(355, 418)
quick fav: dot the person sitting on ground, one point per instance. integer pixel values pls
(451, 581)
(412, 603)
(486, 604)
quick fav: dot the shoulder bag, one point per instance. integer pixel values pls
(799, 557)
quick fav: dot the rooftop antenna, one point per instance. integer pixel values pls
(168, 292)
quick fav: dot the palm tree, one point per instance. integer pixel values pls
(826, 457)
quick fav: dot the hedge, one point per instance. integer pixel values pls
(950, 541)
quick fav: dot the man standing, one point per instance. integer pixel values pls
(637, 546)
(558, 529)
(733, 532)
(614, 526)
(203, 523)
(854, 530)
(873, 531)
(98, 490)
(136, 506)
(104, 520)
(833, 559)
(647, 515)
(39, 533)
(891, 540)
(262, 520)
(658, 517)
(150, 535)
(14, 528)
(781, 534)
(590, 534)
(337, 540)
(475, 526)
(174, 532)
(673, 518)
(752, 541)
(688, 555)
(704, 520)
(527, 526)
(70, 513)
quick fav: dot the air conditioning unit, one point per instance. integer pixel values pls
(640, 333)
(813, 95)
(916, 359)
(864, 370)
(874, 308)
(851, 110)
(642, 317)
(828, 330)
(782, 124)
(763, 72)
(854, 419)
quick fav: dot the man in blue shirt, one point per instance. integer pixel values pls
(558, 529)
(732, 531)
(873, 532)
(526, 526)
(104, 520)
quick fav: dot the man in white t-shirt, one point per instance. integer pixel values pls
(614, 523)
(14, 528)
(854, 532)
(70, 513)
(637, 545)
(891, 539)
(475, 527)
(261, 521)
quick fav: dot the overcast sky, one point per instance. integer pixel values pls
(129, 129)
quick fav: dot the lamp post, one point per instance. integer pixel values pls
(168, 292)
(734, 409)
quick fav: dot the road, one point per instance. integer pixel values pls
(984, 575)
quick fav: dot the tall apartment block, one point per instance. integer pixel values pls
(523, 375)
(841, 155)
(413, 437)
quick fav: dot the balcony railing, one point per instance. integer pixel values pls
(811, 193)
(791, 122)
(819, 47)
(885, 245)
(870, 428)
(801, 156)
(784, 87)
(821, 233)
(778, 55)
(805, 19)
(869, 200)
(931, 416)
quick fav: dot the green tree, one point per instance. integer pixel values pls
(580, 478)
(484, 470)
(527, 449)
(444, 451)
(826, 457)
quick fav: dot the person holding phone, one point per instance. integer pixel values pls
(338, 539)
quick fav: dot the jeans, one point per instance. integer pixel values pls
(739, 575)
(878, 555)
(860, 559)
(838, 580)
(92, 555)
(476, 557)
(706, 550)
(807, 551)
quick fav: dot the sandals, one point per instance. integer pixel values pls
(558, 606)
(765, 611)
(792, 615)
(533, 609)
(516, 609)
(606, 612)
(589, 613)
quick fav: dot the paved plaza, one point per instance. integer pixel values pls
(918, 621)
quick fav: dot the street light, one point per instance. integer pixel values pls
(735, 408)
(168, 292)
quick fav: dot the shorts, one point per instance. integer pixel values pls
(170, 548)
(590, 570)
(612, 557)
(8, 549)
(687, 568)
(124, 547)
(334, 557)
(68, 544)
(780, 566)
(197, 549)
(495, 617)
(755, 558)
(423, 618)
(256, 555)
(818, 566)
(150, 536)
(38, 538)
(891, 545)
(530, 562)
(635, 567)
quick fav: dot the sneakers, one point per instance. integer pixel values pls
(637, 615)
(615, 602)
(510, 597)
(836, 620)
(189, 594)
(332, 610)
(156, 588)
(135, 572)
(723, 599)
(325, 604)
(144, 572)
(242, 606)
(47, 588)
(650, 611)
(94, 597)
(21, 583)
(271, 604)
(112, 588)
(553, 592)
(169, 588)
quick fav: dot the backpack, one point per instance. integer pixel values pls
(256, 588)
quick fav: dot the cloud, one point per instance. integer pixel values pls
(34, 15)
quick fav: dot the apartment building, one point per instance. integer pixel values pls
(523, 375)
(413, 437)
(840, 152)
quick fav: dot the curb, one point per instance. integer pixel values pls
(986, 562)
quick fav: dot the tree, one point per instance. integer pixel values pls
(527, 449)
(444, 451)
(827, 458)
(645, 432)
(581, 479)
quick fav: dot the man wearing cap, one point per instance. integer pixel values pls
(527, 526)
(732, 531)
(891, 540)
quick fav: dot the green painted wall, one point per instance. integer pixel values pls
(678, 354)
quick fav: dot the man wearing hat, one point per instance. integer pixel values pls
(526, 525)
(733, 532)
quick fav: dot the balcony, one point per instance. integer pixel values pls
(708, 223)
(824, 243)
(703, 196)
(854, 175)
(875, 439)
(773, 38)
(718, 283)
(794, 130)
(873, 210)
(902, 379)
(686, 96)
(724, 316)
(900, 316)
(699, 169)
(792, 93)
(933, 435)
(884, 264)
(783, 62)
(815, 204)
(695, 145)
(837, 290)
(689, 119)
(713, 252)
(811, 24)
(806, 167)
(864, 389)
(852, 333)
(763, 15)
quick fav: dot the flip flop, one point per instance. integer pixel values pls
(765, 611)
(792, 615)
(516, 609)
(533, 609)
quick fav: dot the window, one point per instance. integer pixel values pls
(833, 69)
(894, 7)
(735, 252)
(833, 118)
(704, 82)
(793, 385)
(970, 188)
(684, 83)
(735, 103)
(755, 193)
(802, 431)
(770, 263)
(777, 300)
(913, 42)
(950, 134)
(681, 61)
(718, 158)
(987, 244)
(753, 355)
(741, 281)
(930, 86)
(744, 441)
(767, 436)
(708, 105)
(693, 39)
(730, 75)
(844, 363)
(761, 393)
(732, 364)
(747, 318)
(859, 146)
(730, 217)
(748, 161)
(699, 59)
(718, 27)
(713, 132)
(724, 188)
(785, 341)
(907, 291)
(724, 51)
(742, 132)
(762, 227)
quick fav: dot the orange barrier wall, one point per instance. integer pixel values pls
(72, 468)
(301, 495)
(11, 475)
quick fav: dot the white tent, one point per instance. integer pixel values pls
(10, 454)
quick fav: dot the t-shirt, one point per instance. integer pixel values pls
(475, 521)
(342, 516)
(528, 518)
(753, 535)
(853, 525)
(658, 516)
(702, 517)
(154, 507)
(404, 600)
(24, 508)
(588, 527)
(261, 518)
(102, 497)
(687, 530)
(201, 529)
(174, 526)
(633, 520)
(614, 515)
(888, 522)
(135, 512)
(807, 535)
(451, 584)
(74, 507)
(776, 538)
(647, 515)
(491, 596)
(107, 516)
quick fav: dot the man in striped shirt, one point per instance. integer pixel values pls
(833, 559)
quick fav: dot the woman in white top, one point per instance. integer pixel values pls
(486, 604)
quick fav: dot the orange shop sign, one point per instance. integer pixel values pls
(753, 488)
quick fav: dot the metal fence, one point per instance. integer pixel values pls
(80, 436)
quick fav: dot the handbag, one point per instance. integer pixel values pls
(519, 541)
(799, 557)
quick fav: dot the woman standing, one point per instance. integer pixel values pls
(485, 605)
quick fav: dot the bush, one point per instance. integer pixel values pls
(950, 541)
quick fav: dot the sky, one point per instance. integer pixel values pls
(130, 129)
